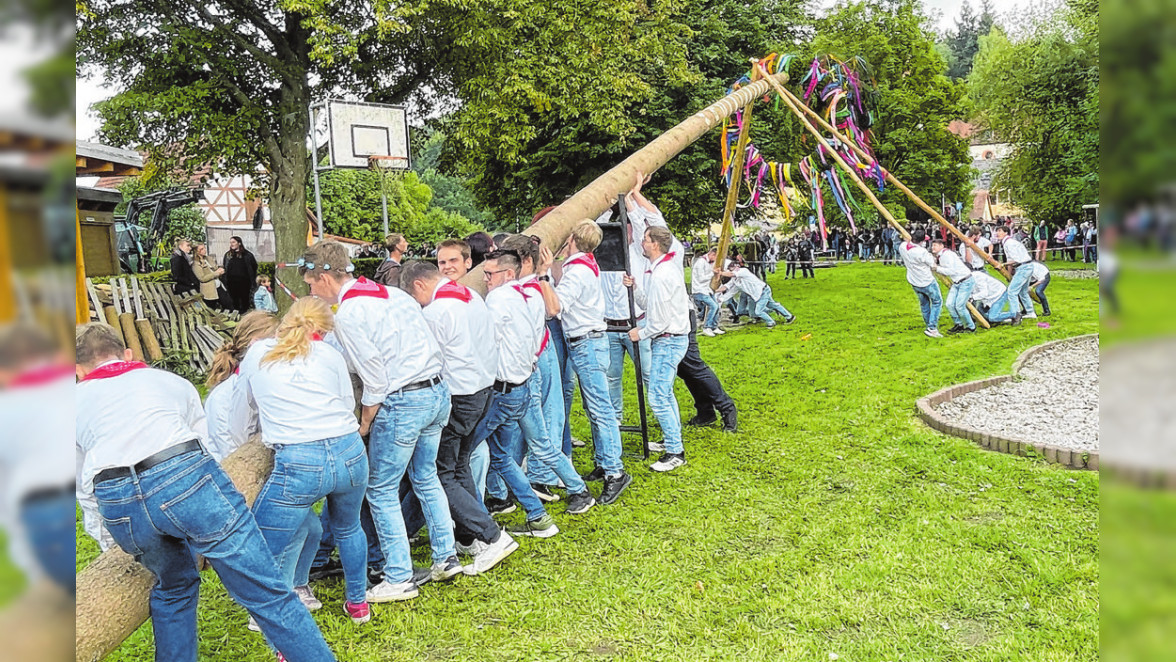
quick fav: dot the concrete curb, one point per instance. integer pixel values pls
(1066, 457)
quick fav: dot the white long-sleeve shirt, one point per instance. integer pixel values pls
(514, 332)
(987, 289)
(385, 339)
(743, 280)
(581, 297)
(127, 418)
(1015, 251)
(701, 272)
(974, 259)
(616, 296)
(307, 399)
(1040, 271)
(662, 293)
(232, 419)
(952, 266)
(919, 264)
(533, 294)
(461, 323)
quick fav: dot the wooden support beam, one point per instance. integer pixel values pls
(737, 159)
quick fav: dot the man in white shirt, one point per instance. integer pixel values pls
(744, 281)
(667, 321)
(1017, 257)
(460, 320)
(582, 309)
(920, 274)
(950, 265)
(701, 271)
(1039, 280)
(405, 404)
(164, 499)
(990, 297)
(454, 259)
(974, 260)
(515, 401)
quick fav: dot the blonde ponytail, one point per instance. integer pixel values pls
(253, 326)
(307, 317)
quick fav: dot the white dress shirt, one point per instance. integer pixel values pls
(1040, 271)
(663, 294)
(533, 294)
(232, 418)
(127, 418)
(386, 342)
(974, 258)
(987, 289)
(743, 280)
(616, 296)
(918, 264)
(952, 266)
(514, 332)
(1015, 251)
(581, 299)
(307, 399)
(701, 272)
(461, 328)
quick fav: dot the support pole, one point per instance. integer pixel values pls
(318, 196)
(980, 319)
(728, 227)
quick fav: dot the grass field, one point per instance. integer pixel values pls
(834, 525)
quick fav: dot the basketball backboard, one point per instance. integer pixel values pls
(357, 130)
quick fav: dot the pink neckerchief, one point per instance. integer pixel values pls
(586, 259)
(365, 288)
(665, 258)
(41, 375)
(452, 290)
(114, 369)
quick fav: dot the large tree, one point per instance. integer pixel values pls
(1039, 90)
(963, 40)
(230, 81)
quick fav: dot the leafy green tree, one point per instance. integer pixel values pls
(1040, 92)
(450, 192)
(916, 99)
(963, 41)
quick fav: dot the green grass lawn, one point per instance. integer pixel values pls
(833, 523)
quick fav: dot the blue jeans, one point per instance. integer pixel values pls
(667, 353)
(516, 407)
(49, 524)
(1019, 300)
(930, 303)
(480, 467)
(711, 318)
(589, 359)
(618, 345)
(185, 506)
(957, 302)
(310, 544)
(375, 556)
(1039, 288)
(766, 304)
(560, 344)
(404, 439)
(549, 380)
(334, 468)
(1000, 309)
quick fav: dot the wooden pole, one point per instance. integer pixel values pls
(980, 319)
(783, 91)
(728, 226)
(82, 310)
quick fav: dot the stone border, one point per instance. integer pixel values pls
(1067, 457)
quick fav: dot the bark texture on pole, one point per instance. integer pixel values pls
(113, 591)
(592, 200)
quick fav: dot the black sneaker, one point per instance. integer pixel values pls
(375, 576)
(968, 330)
(790, 320)
(544, 493)
(446, 570)
(421, 576)
(731, 422)
(613, 487)
(594, 475)
(699, 421)
(578, 504)
(332, 568)
(499, 506)
(1016, 321)
(954, 330)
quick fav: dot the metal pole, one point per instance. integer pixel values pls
(384, 204)
(318, 196)
(637, 358)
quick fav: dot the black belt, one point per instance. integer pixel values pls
(957, 282)
(151, 461)
(624, 322)
(504, 387)
(416, 386)
(590, 334)
(48, 493)
(668, 335)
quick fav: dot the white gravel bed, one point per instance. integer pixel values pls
(1139, 406)
(1075, 274)
(1055, 401)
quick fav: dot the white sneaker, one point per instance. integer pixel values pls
(718, 331)
(473, 549)
(1029, 316)
(386, 592)
(493, 554)
(252, 625)
(708, 332)
(669, 462)
(657, 447)
(307, 597)
(932, 332)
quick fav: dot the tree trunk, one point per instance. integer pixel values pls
(289, 171)
(602, 193)
(112, 592)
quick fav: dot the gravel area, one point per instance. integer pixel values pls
(1075, 274)
(1055, 401)
(1138, 416)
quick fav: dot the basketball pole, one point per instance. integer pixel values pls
(318, 197)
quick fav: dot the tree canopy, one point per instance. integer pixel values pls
(962, 42)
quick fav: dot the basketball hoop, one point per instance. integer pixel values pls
(379, 163)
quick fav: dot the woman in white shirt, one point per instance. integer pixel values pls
(307, 409)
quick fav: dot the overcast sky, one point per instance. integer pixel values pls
(90, 91)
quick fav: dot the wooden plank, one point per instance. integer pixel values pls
(138, 301)
(115, 299)
(126, 291)
(94, 300)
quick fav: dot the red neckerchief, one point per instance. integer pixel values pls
(452, 290)
(665, 258)
(588, 260)
(546, 338)
(365, 288)
(316, 336)
(909, 245)
(533, 285)
(41, 375)
(519, 288)
(114, 369)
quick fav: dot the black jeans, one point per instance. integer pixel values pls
(806, 269)
(470, 519)
(702, 382)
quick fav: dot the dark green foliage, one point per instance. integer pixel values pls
(962, 43)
